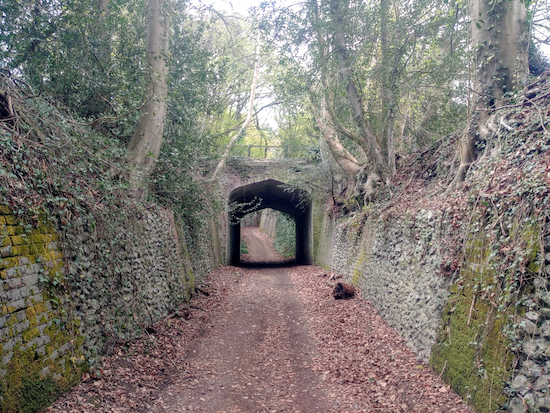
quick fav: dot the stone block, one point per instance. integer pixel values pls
(545, 311)
(5, 251)
(18, 240)
(26, 260)
(7, 358)
(14, 283)
(531, 369)
(45, 371)
(10, 344)
(520, 384)
(11, 219)
(15, 294)
(542, 383)
(41, 350)
(30, 269)
(532, 316)
(20, 315)
(543, 403)
(12, 272)
(528, 327)
(37, 249)
(544, 329)
(30, 279)
(63, 349)
(20, 327)
(17, 304)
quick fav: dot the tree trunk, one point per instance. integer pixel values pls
(499, 41)
(343, 158)
(144, 147)
(371, 146)
(248, 120)
(388, 89)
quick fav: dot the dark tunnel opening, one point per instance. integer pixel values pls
(276, 195)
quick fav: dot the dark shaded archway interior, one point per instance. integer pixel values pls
(276, 195)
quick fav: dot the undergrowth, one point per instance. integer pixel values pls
(285, 238)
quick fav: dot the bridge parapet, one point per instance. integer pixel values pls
(245, 171)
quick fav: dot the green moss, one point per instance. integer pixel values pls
(38, 393)
(472, 345)
(37, 248)
(23, 389)
(358, 268)
(9, 262)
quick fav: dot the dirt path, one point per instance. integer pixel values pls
(258, 359)
(260, 246)
(266, 340)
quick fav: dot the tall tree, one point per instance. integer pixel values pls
(144, 147)
(500, 46)
(369, 67)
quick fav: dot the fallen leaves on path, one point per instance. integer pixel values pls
(135, 374)
(364, 362)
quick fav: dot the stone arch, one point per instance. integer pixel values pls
(276, 195)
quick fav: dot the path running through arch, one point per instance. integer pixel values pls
(267, 340)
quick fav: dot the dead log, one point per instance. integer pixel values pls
(343, 291)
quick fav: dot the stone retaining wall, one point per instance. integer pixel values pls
(67, 296)
(492, 353)
(396, 263)
(39, 348)
(268, 221)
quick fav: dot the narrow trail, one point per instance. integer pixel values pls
(266, 340)
(258, 358)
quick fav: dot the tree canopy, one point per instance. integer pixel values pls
(372, 80)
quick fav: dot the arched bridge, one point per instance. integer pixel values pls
(254, 184)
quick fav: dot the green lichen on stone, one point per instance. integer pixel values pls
(358, 268)
(472, 345)
(25, 389)
(35, 375)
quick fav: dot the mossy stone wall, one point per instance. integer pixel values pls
(71, 289)
(472, 350)
(493, 346)
(396, 263)
(40, 346)
(485, 329)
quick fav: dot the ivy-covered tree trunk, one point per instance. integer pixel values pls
(499, 42)
(144, 147)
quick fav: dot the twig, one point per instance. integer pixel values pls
(471, 310)
(435, 381)
(540, 115)
(109, 118)
(157, 347)
(417, 400)
(441, 375)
